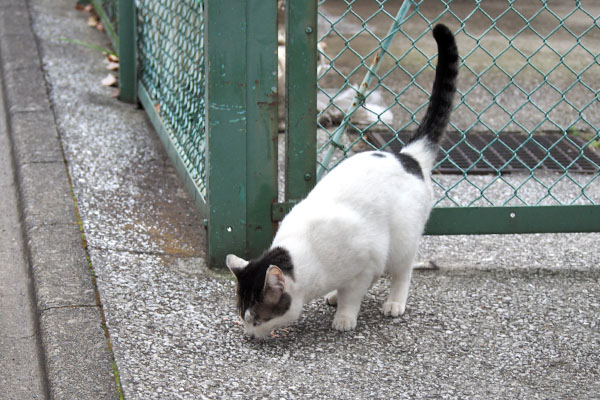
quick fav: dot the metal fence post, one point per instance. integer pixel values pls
(301, 97)
(127, 51)
(241, 90)
(262, 101)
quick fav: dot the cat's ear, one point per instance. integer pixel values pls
(274, 285)
(235, 264)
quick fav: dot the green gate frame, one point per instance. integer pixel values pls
(443, 220)
(241, 207)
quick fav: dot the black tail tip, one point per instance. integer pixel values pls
(443, 35)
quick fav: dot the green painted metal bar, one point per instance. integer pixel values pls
(127, 51)
(301, 97)
(226, 87)
(261, 129)
(501, 220)
(150, 108)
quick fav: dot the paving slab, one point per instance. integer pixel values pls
(19, 51)
(34, 139)
(53, 343)
(63, 277)
(26, 90)
(22, 375)
(47, 195)
(77, 363)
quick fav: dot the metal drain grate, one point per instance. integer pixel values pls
(509, 152)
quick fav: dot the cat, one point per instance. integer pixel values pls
(364, 218)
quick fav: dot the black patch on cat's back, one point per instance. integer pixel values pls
(251, 279)
(410, 164)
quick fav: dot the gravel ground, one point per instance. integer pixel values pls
(502, 316)
(497, 333)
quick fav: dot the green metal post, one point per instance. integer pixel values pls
(127, 51)
(261, 145)
(241, 44)
(301, 95)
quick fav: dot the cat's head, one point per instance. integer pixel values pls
(264, 299)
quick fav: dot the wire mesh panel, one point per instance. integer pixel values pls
(527, 116)
(171, 62)
(108, 11)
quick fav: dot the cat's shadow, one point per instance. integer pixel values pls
(314, 327)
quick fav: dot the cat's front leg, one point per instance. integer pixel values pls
(348, 304)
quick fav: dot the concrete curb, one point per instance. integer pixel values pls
(77, 355)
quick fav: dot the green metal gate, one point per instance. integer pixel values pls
(206, 73)
(530, 69)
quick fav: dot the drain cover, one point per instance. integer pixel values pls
(508, 152)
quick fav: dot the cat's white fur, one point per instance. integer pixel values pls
(362, 219)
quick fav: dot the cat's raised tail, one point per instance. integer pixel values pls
(423, 145)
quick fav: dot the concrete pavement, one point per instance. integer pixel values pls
(19, 339)
(65, 316)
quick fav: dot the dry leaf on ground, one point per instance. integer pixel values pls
(110, 80)
(92, 20)
(112, 66)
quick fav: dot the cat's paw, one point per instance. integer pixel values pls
(393, 308)
(343, 323)
(331, 298)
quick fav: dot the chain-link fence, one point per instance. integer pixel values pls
(171, 69)
(524, 132)
(526, 126)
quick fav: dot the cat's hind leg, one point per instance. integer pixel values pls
(401, 273)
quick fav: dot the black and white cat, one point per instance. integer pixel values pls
(364, 218)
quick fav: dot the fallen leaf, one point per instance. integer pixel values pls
(116, 93)
(110, 80)
(157, 108)
(112, 66)
(112, 58)
(100, 26)
(79, 7)
(89, 8)
(92, 20)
